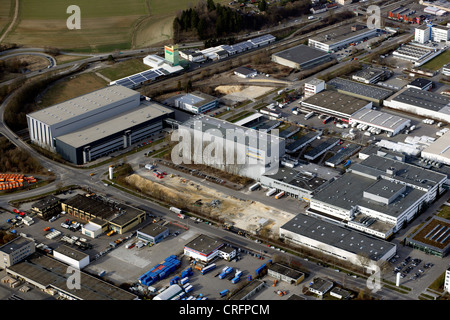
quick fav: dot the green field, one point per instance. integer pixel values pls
(6, 14)
(438, 62)
(123, 69)
(106, 25)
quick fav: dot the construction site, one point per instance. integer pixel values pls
(255, 217)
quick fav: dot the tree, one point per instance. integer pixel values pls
(262, 5)
(210, 5)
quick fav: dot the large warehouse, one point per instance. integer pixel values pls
(237, 149)
(359, 90)
(96, 124)
(386, 191)
(339, 38)
(337, 241)
(335, 104)
(381, 120)
(423, 103)
(439, 150)
(301, 57)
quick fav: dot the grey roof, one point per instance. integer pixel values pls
(196, 98)
(302, 141)
(301, 54)
(49, 272)
(420, 82)
(153, 229)
(71, 253)
(84, 104)
(142, 114)
(338, 236)
(404, 172)
(361, 89)
(204, 244)
(347, 192)
(15, 244)
(244, 70)
(339, 34)
(46, 202)
(304, 180)
(422, 99)
(380, 119)
(335, 102)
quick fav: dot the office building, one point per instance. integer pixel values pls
(313, 86)
(196, 102)
(421, 84)
(152, 233)
(15, 251)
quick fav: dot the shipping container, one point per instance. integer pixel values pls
(279, 195)
(271, 192)
(254, 187)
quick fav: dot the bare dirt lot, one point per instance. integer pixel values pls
(244, 214)
(239, 93)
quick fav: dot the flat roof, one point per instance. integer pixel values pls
(153, 229)
(244, 70)
(204, 244)
(46, 202)
(196, 98)
(14, 244)
(301, 54)
(440, 146)
(365, 90)
(339, 34)
(435, 233)
(147, 111)
(335, 102)
(303, 140)
(71, 253)
(380, 119)
(286, 271)
(338, 236)
(51, 273)
(103, 210)
(369, 73)
(404, 172)
(423, 99)
(301, 179)
(348, 190)
(420, 82)
(83, 104)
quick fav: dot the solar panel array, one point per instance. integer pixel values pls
(138, 78)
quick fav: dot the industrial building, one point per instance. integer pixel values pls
(359, 90)
(152, 233)
(95, 124)
(196, 102)
(371, 75)
(239, 150)
(421, 84)
(335, 104)
(423, 103)
(320, 286)
(389, 193)
(301, 57)
(245, 72)
(285, 273)
(107, 215)
(47, 207)
(205, 249)
(446, 69)
(341, 37)
(15, 251)
(299, 183)
(72, 257)
(439, 150)
(434, 33)
(416, 53)
(301, 142)
(319, 150)
(337, 241)
(432, 238)
(342, 155)
(52, 277)
(313, 86)
(384, 121)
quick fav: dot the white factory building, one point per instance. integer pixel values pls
(337, 241)
(72, 257)
(377, 196)
(420, 102)
(386, 122)
(95, 124)
(237, 149)
(438, 151)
